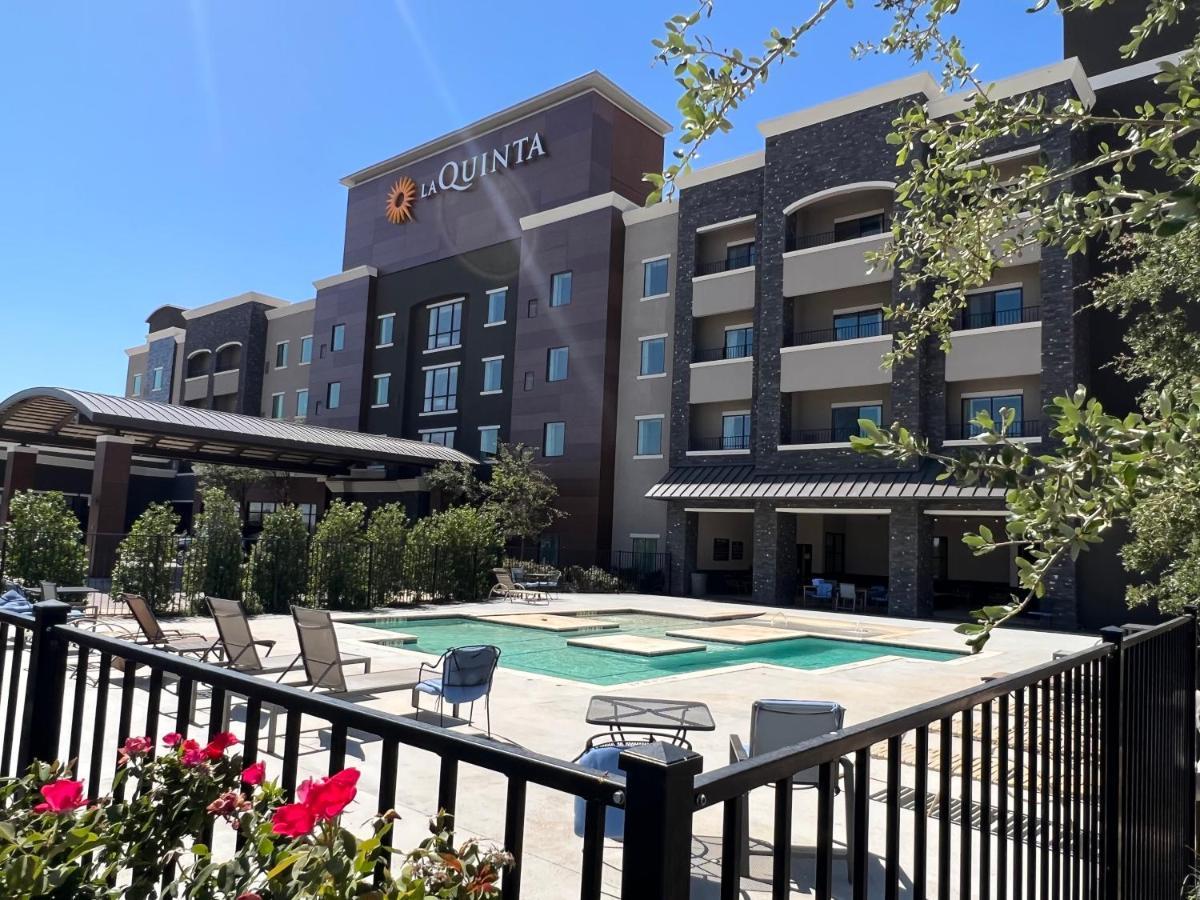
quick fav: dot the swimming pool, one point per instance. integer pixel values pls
(547, 653)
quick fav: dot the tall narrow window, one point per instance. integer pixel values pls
(497, 302)
(306, 350)
(739, 342)
(445, 325)
(654, 356)
(493, 373)
(531, 308)
(654, 277)
(441, 389)
(557, 359)
(137, 385)
(301, 403)
(156, 378)
(281, 355)
(333, 395)
(277, 406)
(383, 330)
(560, 289)
(554, 438)
(489, 441)
(735, 431)
(337, 340)
(649, 436)
(383, 384)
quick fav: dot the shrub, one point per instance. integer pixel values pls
(593, 580)
(45, 542)
(275, 573)
(146, 557)
(450, 554)
(387, 534)
(338, 563)
(214, 557)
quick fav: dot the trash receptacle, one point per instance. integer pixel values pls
(699, 584)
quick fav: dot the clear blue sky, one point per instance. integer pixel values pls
(180, 152)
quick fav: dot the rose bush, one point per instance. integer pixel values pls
(57, 841)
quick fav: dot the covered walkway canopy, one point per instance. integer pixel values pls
(60, 417)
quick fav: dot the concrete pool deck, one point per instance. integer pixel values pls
(546, 714)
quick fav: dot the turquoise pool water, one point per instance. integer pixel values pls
(545, 652)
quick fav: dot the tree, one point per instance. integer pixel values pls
(45, 542)
(236, 481)
(457, 482)
(146, 557)
(338, 559)
(956, 219)
(450, 554)
(276, 571)
(387, 534)
(213, 564)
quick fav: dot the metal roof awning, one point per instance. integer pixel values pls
(715, 483)
(61, 417)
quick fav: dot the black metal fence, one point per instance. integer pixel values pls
(1072, 779)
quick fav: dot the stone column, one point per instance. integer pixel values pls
(910, 561)
(774, 556)
(106, 510)
(1061, 602)
(18, 476)
(682, 530)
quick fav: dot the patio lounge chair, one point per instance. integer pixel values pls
(775, 724)
(465, 676)
(171, 640)
(324, 665)
(241, 647)
(507, 589)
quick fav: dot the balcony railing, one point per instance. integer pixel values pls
(965, 431)
(824, 435)
(742, 261)
(734, 351)
(724, 442)
(842, 333)
(824, 238)
(994, 318)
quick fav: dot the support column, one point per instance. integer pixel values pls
(774, 556)
(682, 531)
(19, 471)
(910, 561)
(1061, 602)
(106, 510)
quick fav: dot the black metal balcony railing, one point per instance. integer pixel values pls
(733, 351)
(965, 431)
(824, 435)
(842, 333)
(824, 238)
(724, 442)
(994, 318)
(740, 261)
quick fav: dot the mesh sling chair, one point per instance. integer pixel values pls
(241, 647)
(775, 724)
(466, 676)
(171, 640)
(507, 589)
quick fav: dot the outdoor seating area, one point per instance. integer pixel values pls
(844, 595)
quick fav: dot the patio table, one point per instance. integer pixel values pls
(638, 719)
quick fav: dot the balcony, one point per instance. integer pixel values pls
(823, 262)
(820, 438)
(721, 374)
(226, 382)
(195, 388)
(961, 433)
(836, 358)
(1001, 344)
(728, 287)
(722, 444)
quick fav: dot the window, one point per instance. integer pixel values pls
(281, 355)
(493, 374)
(531, 309)
(737, 550)
(277, 406)
(441, 389)
(649, 436)
(306, 350)
(654, 356)
(862, 226)
(845, 419)
(497, 301)
(735, 431)
(489, 440)
(256, 511)
(445, 325)
(1002, 307)
(992, 405)
(383, 330)
(739, 342)
(554, 438)
(302, 402)
(654, 277)
(337, 340)
(851, 325)
(333, 395)
(720, 550)
(443, 437)
(198, 363)
(308, 512)
(383, 385)
(529, 381)
(645, 552)
(560, 289)
(137, 385)
(739, 256)
(229, 357)
(556, 363)
(548, 549)
(835, 553)
(156, 378)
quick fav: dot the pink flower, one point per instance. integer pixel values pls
(249, 895)
(61, 796)
(229, 804)
(192, 754)
(172, 739)
(254, 774)
(293, 820)
(219, 744)
(134, 746)
(327, 797)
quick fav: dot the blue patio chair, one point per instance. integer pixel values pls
(462, 675)
(877, 595)
(820, 589)
(605, 759)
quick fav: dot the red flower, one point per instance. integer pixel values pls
(249, 895)
(327, 797)
(172, 739)
(61, 796)
(293, 820)
(254, 774)
(134, 746)
(219, 744)
(192, 754)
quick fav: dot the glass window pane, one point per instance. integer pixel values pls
(382, 384)
(492, 370)
(489, 441)
(739, 256)
(654, 281)
(560, 289)
(281, 354)
(302, 402)
(496, 306)
(384, 335)
(553, 439)
(654, 356)
(306, 349)
(338, 341)
(649, 437)
(1008, 306)
(333, 398)
(557, 363)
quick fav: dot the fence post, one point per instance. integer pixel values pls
(1112, 798)
(1192, 611)
(45, 684)
(659, 801)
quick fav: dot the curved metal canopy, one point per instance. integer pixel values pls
(61, 417)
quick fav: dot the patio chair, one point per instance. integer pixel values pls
(543, 579)
(847, 596)
(819, 590)
(507, 589)
(170, 639)
(324, 665)
(462, 675)
(877, 595)
(776, 724)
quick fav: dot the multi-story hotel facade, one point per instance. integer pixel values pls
(690, 372)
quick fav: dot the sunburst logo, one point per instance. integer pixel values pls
(400, 201)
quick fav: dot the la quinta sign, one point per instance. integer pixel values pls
(455, 175)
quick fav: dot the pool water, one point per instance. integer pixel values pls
(547, 653)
